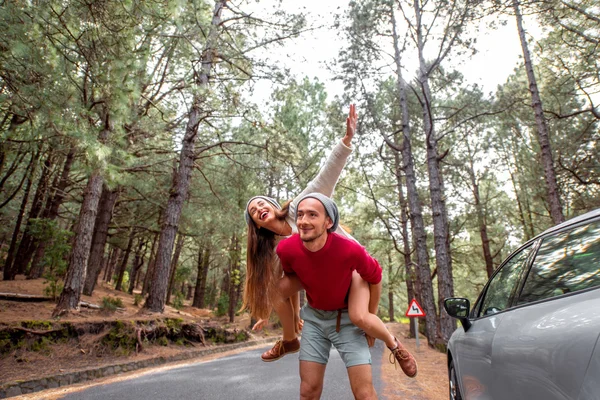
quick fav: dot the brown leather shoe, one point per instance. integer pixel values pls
(280, 349)
(405, 359)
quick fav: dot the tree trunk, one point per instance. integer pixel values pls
(27, 245)
(105, 212)
(234, 275)
(414, 206)
(179, 190)
(150, 268)
(138, 261)
(481, 222)
(441, 234)
(123, 265)
(51, 212)
(112, 264)
(106, 264)
(410, 280)
(69, 298)
(390, 289)
(203, 262)
(542, 128)
(9, 270)
(174, 263)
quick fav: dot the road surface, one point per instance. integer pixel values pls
(239, 376)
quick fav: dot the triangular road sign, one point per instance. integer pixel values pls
(414, 309)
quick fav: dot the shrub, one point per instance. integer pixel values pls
(111, 303)
(223, 305)
(177, 302)
(137, 299)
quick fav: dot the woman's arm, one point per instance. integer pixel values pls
(328, 176)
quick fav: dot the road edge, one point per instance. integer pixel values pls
(11, 389)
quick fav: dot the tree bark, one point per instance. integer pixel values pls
(138, 261)
(27, 244)
(203, 263)
(151, 264)
(391, 315)
(112, 264)
(51, 212)
(179, 190)
(414, 206)
(174, 262)
(9, 270)
(542, 128)
(108, 259)
(234, 271)
(441, 234)
(105, 212)
(70, 296)
(125, 260)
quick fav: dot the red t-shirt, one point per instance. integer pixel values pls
(326, 274)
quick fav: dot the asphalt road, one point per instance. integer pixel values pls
(239, 376)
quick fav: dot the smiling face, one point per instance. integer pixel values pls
(312, 221)
(262, 213)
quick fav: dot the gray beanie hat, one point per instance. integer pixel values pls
(328, 204)
(269, 199)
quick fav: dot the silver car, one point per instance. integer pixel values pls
(534, 331)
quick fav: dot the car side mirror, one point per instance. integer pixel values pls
(459, 308)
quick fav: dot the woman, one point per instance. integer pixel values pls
(268, 223)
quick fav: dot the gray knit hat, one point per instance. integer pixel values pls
(328, 204)
(269, 199)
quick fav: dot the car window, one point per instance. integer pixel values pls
(503, 284)
(566, 262)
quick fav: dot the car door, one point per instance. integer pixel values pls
(543, 347)
(473, 349)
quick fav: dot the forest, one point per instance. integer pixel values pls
(132, 135)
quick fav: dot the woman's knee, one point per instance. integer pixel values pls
(358, 316)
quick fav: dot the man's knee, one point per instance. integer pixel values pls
(310, 390)
(365, 393)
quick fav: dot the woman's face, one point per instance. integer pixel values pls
(262, 213)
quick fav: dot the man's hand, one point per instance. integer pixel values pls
(350, 125)
(260, 324)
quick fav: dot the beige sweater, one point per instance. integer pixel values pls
(323, 183)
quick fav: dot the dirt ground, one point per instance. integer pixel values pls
(431, 382)
(84, 353)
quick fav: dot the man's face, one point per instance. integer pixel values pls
(312, 220)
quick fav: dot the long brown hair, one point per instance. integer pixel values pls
(263, 269)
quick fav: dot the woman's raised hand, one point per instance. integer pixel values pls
(350, 125)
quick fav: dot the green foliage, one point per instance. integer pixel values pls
(55, 256)
(222, 305)
(110, 304)
(137, 299)
(121, 338)
(177, 302)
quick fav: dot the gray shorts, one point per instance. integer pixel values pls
(319, 333)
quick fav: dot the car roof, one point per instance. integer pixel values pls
(572, 221)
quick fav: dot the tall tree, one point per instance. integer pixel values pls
(160, 281)
(542, 128)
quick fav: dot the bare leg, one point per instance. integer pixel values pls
(358, 311)
(288, 287)
(361, 382)
(311, 380)
(298, 323)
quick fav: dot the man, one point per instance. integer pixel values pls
(323, 262)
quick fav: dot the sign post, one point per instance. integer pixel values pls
(414, 311)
